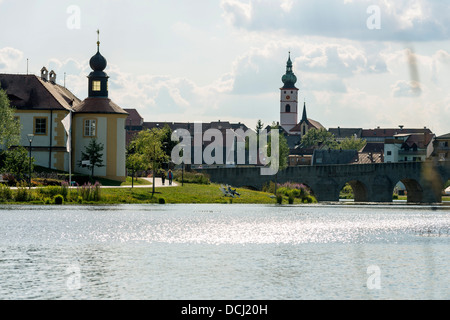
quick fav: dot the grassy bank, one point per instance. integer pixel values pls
(189, 193)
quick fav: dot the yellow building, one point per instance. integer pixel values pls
(41, 105)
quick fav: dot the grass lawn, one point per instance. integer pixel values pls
(189, 193)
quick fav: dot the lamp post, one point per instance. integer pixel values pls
(30, 139)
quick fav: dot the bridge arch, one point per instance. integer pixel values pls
(414, 191)
(360, 191)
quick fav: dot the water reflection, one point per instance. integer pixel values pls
(223, 252)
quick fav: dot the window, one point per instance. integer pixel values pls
(90, 128)
(40, 126)
(288, 108)
(389, 153)
(96, 86)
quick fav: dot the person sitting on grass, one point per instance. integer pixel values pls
(233, 192)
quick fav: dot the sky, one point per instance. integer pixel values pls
(359, 64)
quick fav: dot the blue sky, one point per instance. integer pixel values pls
(208, 60)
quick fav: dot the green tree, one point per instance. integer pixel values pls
(17, 162)
(9, 127)
(134, 161)
(283, 152)
(149, 144)
(93, 154)
(352, 143)
(317, 138)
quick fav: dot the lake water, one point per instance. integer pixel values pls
(236, 252)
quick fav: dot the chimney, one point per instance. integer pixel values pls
(52, 77)
(44, 74)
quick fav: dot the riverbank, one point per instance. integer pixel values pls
(139, 194)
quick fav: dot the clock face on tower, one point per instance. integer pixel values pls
(288, 97)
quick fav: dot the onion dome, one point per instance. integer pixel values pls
(289, 79)
(98, 62)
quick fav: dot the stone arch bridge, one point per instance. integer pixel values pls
(424, 181)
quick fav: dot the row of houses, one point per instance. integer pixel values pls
(382, 144)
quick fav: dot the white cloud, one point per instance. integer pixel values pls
(412, 20)
(404, 88)
(10, 59)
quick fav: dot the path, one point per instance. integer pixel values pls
(158, 184)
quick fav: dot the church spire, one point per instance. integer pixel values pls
(304, 116)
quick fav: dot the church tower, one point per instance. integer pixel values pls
(97, 117)
(289, 99)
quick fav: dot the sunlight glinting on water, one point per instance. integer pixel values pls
(280, 230)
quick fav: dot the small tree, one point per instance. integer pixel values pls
(17, 162)
(149, 144)
(9, 127)
(93, 154)
(134, 161)
(283, 152)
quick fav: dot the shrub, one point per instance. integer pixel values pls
(161, 201)
(191, 177)
(22, 193)
(279, 199)
(5, 193)
(47, 200)
(291, 198)
(58, 199)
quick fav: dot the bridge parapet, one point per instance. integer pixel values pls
(371, 182)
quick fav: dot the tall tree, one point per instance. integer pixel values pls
(93, 154)
(9, 127)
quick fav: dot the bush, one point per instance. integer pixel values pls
(58, 199)
(22, 194)
(279, 199)
(191, 177)
(47, 200)
(5, 193)
(161, 201)
(291, 198)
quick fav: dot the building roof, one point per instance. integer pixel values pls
(134, 117)
(98, 105)
(312, 124)
(390, 132)
(322, 157)
(444, 137)
(342, 133)
(373, 147)
(29, 92)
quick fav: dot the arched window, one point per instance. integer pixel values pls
(288, 108)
